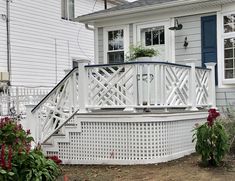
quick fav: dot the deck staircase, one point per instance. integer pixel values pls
(58, 107)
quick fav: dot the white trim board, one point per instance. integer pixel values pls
(126, 38)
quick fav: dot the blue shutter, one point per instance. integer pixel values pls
(209, 40)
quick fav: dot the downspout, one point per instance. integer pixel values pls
(8, 40)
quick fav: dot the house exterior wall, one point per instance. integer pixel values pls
(225, 97)
(191, 19)
(43, 44)
(192, 30)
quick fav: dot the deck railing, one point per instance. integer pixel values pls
(14, 98)
(128, 86)
(147, 84)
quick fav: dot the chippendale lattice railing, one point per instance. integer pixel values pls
(58, 107)
(128, 86)
(147, 84)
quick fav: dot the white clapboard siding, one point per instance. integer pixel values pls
(3, 38)
(42, 44)
(225, 97)
(191, 30)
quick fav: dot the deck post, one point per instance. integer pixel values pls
(32, 123)
(131, 108)
(211, 86)
(192, 88)
(82, 85)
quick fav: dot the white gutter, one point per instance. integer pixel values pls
(105, 14)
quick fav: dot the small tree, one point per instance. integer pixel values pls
(211, 140)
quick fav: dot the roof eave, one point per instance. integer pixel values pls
(96, 17)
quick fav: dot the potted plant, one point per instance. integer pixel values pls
(141, 53)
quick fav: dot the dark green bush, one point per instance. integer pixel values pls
(17, 160)
(211, 140)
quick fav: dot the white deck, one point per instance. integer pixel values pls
(83, 109)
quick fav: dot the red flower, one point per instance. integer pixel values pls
(3, 163)
(213, 114)
(55, 159)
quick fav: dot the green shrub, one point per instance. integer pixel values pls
(211, 140)
(17, 160)
(140, 51)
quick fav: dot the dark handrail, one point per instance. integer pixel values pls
(52, 91)
(139, 62)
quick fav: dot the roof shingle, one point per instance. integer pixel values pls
(130, 5)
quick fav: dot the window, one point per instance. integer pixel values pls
(229, 46)
(67, 9)
(153, 36)
(115, 46)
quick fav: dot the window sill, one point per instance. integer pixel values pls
(69, 21)
(229, 81)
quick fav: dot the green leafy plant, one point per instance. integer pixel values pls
(211, 140)
(35, 166)
(17, 160)
(140, 51)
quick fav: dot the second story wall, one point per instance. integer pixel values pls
(42, 43)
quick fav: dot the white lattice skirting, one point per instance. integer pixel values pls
(126, 139)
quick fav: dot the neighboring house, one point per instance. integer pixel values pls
(44, 38)
(207, 35)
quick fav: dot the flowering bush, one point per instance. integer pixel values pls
(211, 139)
(17, 160)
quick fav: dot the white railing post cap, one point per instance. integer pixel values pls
(210, 64)
(82, 61)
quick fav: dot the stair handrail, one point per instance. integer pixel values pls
(54, 89)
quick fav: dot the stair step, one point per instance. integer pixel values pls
(59, 134)
(47, 144)
(70, 124)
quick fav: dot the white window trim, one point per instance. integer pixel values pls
(126, 40)
(169, 41)
(66, 18)
(222, 36)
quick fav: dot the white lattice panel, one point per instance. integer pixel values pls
(127, 142)
(202, 86)
(110, 86)
(176, 85)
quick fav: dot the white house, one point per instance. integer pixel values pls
(44, 38)
(207, 35)
(118, 112)
(39, 40)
